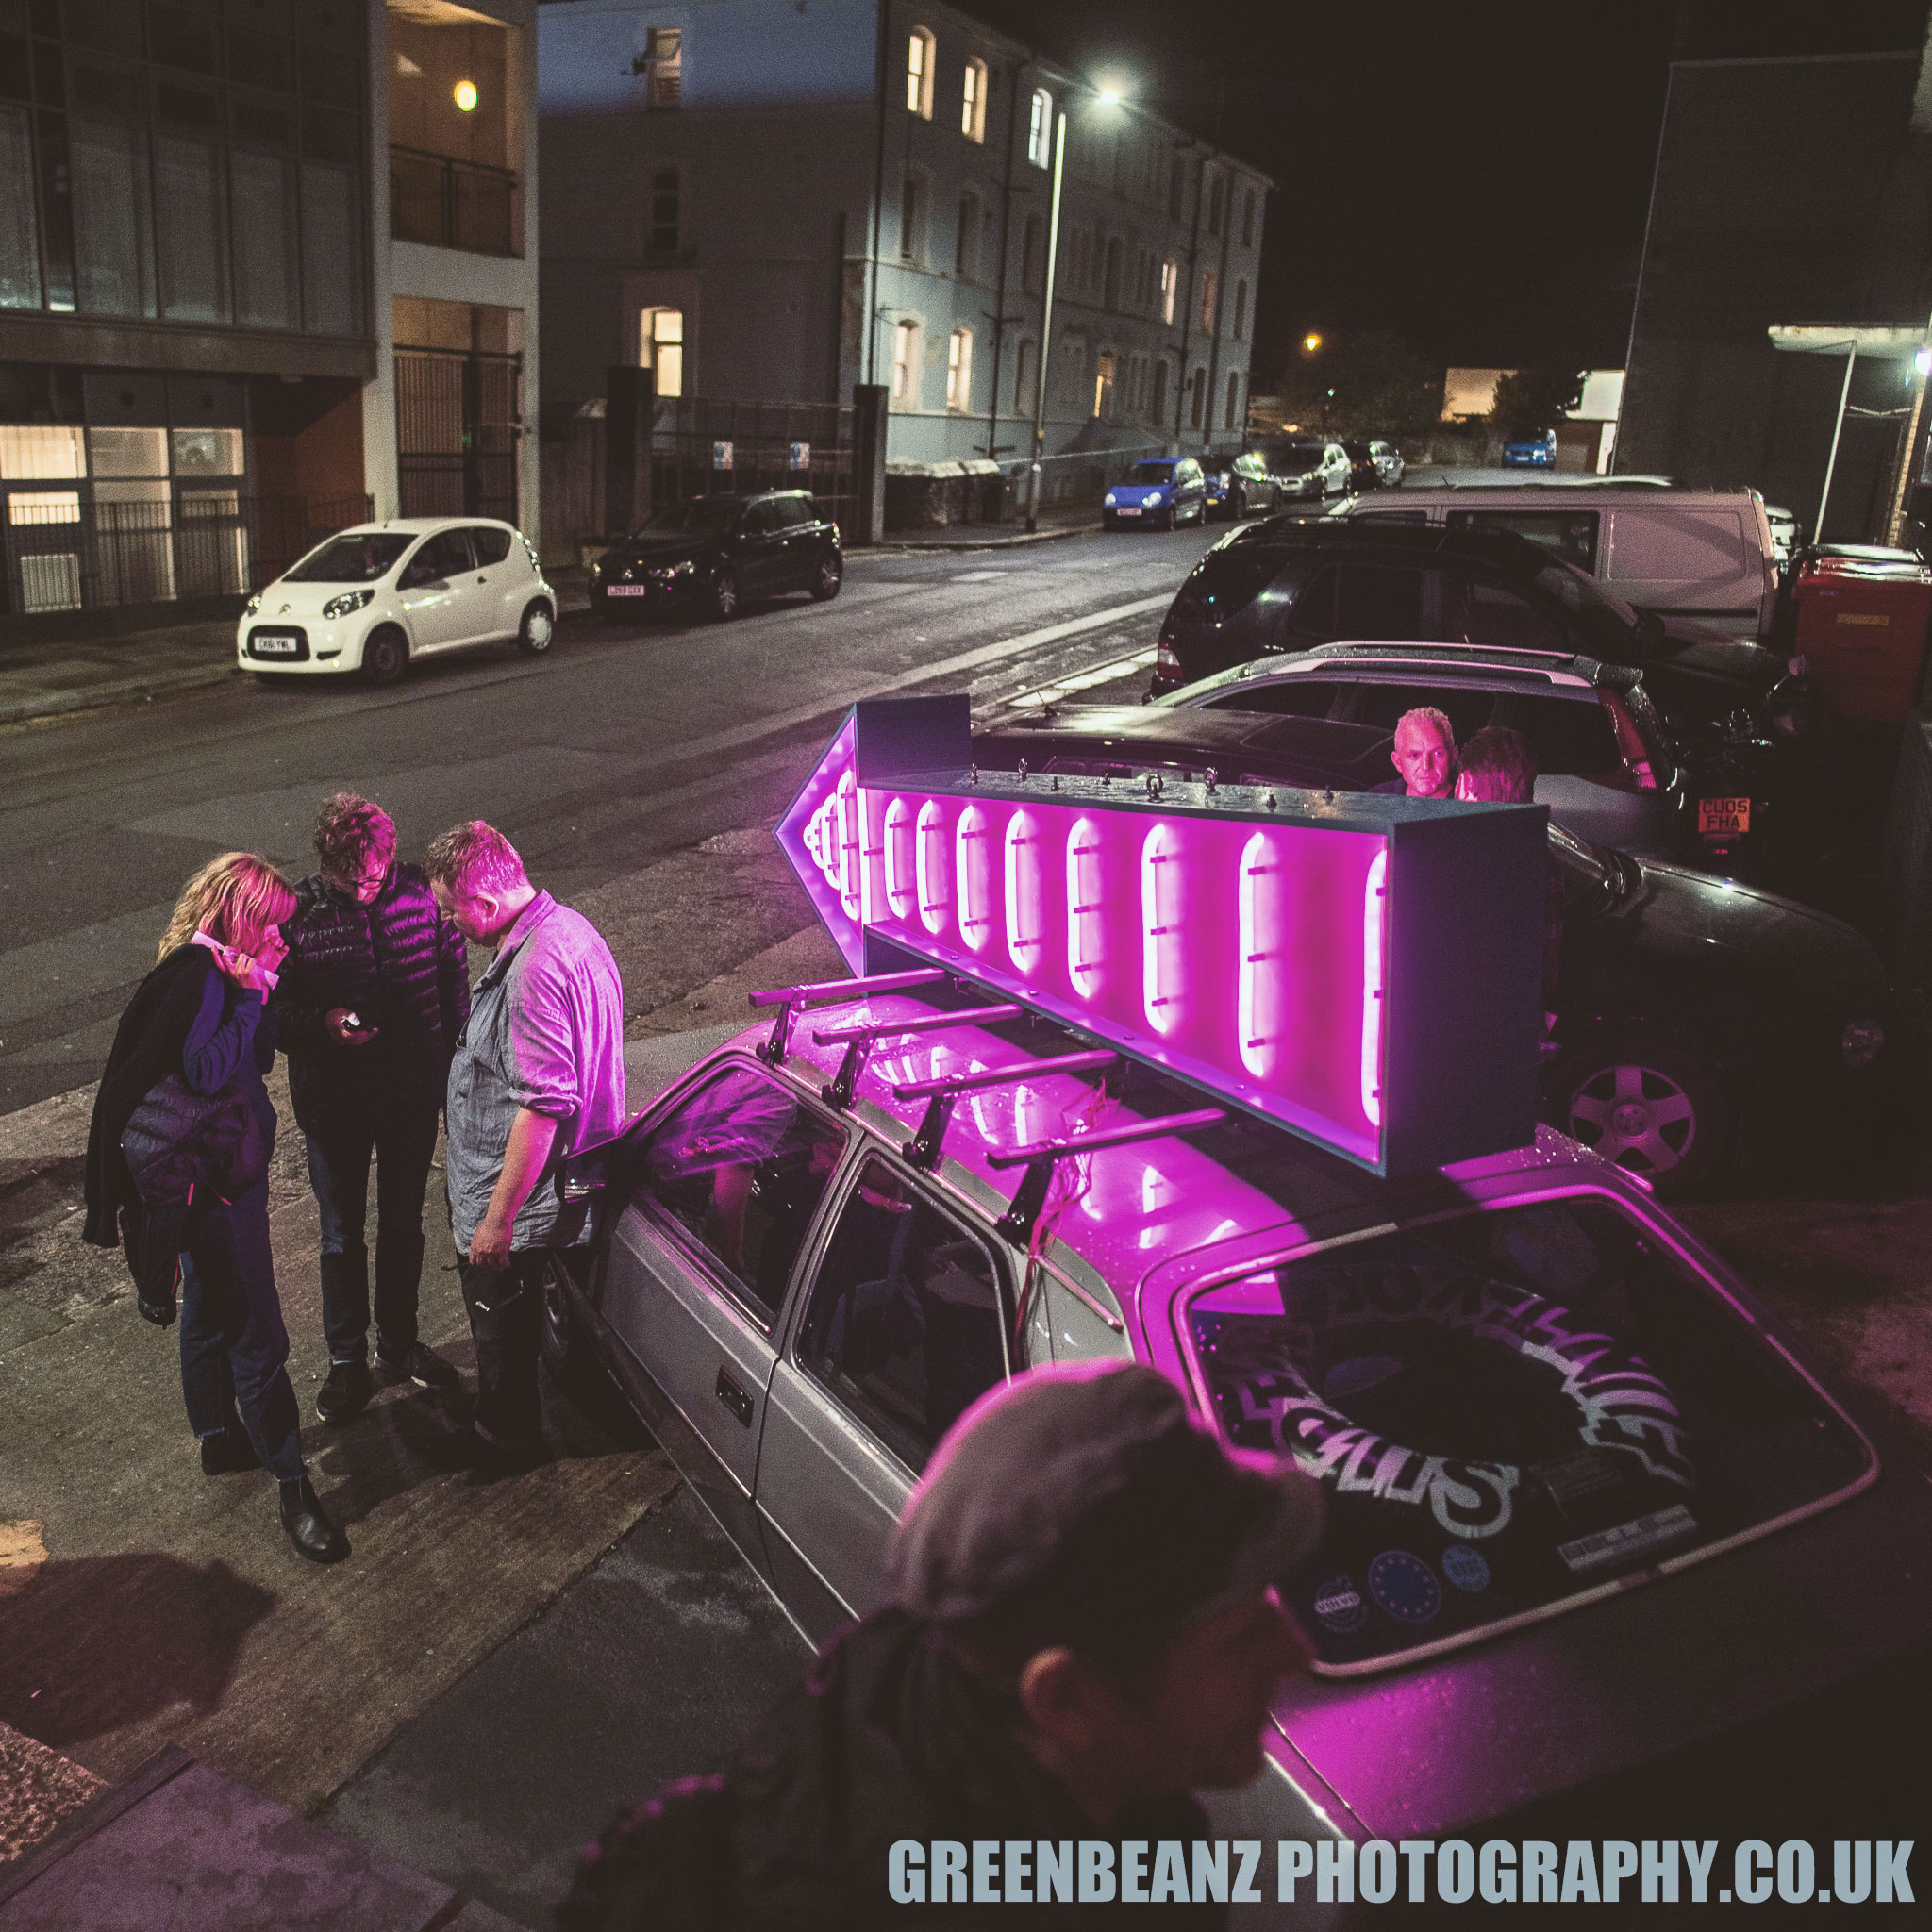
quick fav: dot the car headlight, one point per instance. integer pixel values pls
(1107, 499)
(348, 603)
(597, 568)
(253, 605)
(1861, 1043)
(1152, 496)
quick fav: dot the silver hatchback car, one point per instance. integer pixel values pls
(1595, 1533)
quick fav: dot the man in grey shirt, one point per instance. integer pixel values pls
(538, 1073)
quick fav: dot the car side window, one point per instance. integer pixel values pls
(1568, 534)
(1362, 600)
(742, 1167)
(489, 545)
(793, 512)
(1189, 471)
(1384, 706)
(444, 555)
(1288, 698)
(905, 1327)
(1571, 737)
(1480, 613)
(761, 520)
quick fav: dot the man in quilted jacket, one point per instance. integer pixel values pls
(375, 993)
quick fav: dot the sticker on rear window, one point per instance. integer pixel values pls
(1627, 1540)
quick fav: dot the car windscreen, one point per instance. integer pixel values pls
(1149, 473)
(355, 560)
(1510, 1410)
(702, 516)
(1613, 628)
(1302, 455)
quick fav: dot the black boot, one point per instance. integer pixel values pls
(229, 1452)
(311, 1532)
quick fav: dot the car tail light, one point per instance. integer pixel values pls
(1165, 664)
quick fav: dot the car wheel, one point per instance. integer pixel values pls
(537, 631)
(826, 579)
(1649, 1105)
(385, 657)
(724, 595)
(1238, 504)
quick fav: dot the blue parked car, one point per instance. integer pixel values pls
(1165, 491)
(1532, 452)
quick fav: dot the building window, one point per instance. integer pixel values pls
(1248, 219)
(959, 369)
(662, 236)
(911, 216)
(1241, 310)
(972, 101)
(1170, 282)
(1150, 185)
(664, 66)
(1176, 189)
(1074, 374)
(965, 245)
(1217, 203)
(20, 241)
(906, 365)
(920, 54)
(1234, 399)
(1102, 387)
(660, 348)
(1158, 410)
(1110, 279)
(1025, 379)
(1040, 129)
(1200, 397)
(1208, 301)
(1033, 255)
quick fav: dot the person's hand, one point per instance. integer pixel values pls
(337, 1021)
(245, 968)
(160, 1311)
(490, 1244)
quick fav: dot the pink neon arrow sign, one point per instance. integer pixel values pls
(1252, 945)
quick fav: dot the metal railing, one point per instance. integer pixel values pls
(451, 204)
(63, 553)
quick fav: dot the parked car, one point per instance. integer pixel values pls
(1238, 484)
(1535, 452)
(799, 1306)
(1308, 469)
(717, 554)
(370, 599)
(1373, 465)
(1688, 1008)
(1606, 766)
(1158, 492)
(1736, 713)
(1787, 534)
(1706, 554)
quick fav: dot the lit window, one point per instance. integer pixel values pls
(906, 365)
(960, 370)
(1170, 281)
(919, 66)
(972, 101)
(30, 452)
(1208, 301)
(1102, 387)
(1040, 129)
(660, 348)
(664, 65)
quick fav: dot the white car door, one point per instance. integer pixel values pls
(432, 589)
(497, 584)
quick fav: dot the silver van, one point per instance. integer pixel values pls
(1701, 554)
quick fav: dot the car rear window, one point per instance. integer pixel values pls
(490, 542)
(1228, 581)
(1510, 1410)
(1366, 602)
(1571, 737)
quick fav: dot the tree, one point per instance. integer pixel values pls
(1371, 383)
(1528, 401)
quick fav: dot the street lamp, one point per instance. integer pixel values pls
(1311, 341)
(1107, 97)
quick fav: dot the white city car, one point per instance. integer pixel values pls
(372, 598)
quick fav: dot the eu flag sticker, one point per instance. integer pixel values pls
(1405, 1585)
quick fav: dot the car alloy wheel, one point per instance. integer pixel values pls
(1238, 504)
(724, 595)
(385, 657)
(831, 573)
(537, 631)
(1647, 1105)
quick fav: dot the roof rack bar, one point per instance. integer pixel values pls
(790, 1000)
(1039, 1159)
(924, 1148)
(858, 1040)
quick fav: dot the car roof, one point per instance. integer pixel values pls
(1464, 663)
(423, 526)
(1405, 542)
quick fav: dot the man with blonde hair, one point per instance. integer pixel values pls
(1425, 754)
(538, 1073)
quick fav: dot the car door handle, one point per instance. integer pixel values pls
(734, 1398)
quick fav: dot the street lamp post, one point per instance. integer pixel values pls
(1052, 250)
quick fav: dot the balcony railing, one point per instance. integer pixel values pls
(451, 204)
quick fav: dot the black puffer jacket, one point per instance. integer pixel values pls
(402, 967)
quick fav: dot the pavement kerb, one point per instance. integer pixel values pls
(1019, 539)
(55, 703)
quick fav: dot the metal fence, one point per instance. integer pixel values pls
(701, 447)
(458, 418)
(451, 204)
(63, 553)
(1076, 475)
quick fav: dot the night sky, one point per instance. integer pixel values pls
(1473, 176)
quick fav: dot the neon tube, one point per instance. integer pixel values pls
(902, 881)
(1025, 924)
(1162, 932)
(1374, 926)
(1258, 964)
(1086, 926)
(974, 872)
(933, 870)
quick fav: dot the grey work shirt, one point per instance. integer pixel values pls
(545, 1032)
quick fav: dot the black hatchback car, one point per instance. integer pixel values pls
(716, 553)
(1687, 1008)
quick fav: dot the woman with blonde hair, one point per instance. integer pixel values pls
(177, 1175)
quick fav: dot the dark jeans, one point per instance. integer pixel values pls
(233, 1343)
(505, 1317)
(403, 1140)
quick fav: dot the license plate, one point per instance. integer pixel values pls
(626, 590)
(273, 645)
(1126, 511)
(1722, 818)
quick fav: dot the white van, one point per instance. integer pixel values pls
(1701, 554)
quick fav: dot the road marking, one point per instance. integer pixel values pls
(1084, 681)
(981, 577)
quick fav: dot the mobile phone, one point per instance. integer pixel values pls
(352, 1021)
